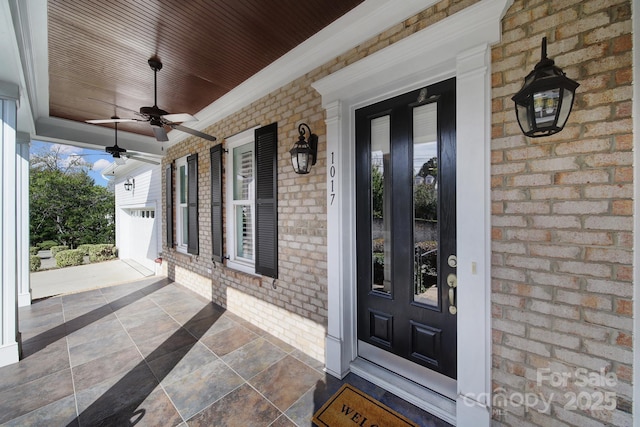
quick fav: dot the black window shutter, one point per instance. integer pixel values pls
(216, 203)
(267, 200)
(192, 204)
(168, 181)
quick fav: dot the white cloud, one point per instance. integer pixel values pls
(101, 164)
(66, 149)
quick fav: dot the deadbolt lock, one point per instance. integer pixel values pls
(452, 261)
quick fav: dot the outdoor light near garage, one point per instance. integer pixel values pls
(544, 103)
(129, 184)
(303, 153)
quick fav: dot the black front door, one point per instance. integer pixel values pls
(406, 226)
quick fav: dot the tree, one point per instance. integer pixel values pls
(430, 167)
(65, 204)
(377, 189)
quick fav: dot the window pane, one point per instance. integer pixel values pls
(425, 204)
(381, 204)
(244, 232)
(183, 184)
(185, 220)
(243, 172)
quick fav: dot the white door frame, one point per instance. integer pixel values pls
(458, 46)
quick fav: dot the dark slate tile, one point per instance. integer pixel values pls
(156, 326)
(52, 358)
(303, 409)
(229, 340)
(103, 345)
(118, 396)
(159, 345)
(283, 421)
(155, 410)
(175, 365)
(242, 407)
(208, 326)
(278, 342)
(41, 323)
(284, 382)
(253, 357)
(103, 368)
(59, 413)
(95, 331)
(24, 398)
(314, 363)
(83, 299)
(130, 304)
(199, 389)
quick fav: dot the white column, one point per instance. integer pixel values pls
(473, 114)
(9, 353)
(340, 338)
(22, 205)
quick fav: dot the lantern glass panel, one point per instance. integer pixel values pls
(523, 117)
(545, 106)
(565, 107)
(303, 160)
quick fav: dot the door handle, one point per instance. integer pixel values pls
(452, 281)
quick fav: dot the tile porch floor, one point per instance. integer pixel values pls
(152, 353)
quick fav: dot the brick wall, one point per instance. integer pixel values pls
(296, 310)
(562, 220)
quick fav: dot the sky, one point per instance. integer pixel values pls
(98, 158)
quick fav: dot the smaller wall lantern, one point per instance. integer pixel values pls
(544, 103)
(129, 184)
(303, 153)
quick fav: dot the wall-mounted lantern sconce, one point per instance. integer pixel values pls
(303, 153)
(129, 184)
(544, 103)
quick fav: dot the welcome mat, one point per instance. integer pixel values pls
(351, 407)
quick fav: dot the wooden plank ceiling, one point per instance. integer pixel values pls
(98, 50)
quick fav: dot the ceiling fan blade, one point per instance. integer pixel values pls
(179, 118)
(142, 159)
(101, 121)
(193, 132)
(119, 160)
(160, 133)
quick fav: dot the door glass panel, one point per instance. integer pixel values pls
(425, 204)
(381, 204)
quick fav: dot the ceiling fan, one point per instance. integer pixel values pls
(158, 118)
(120, 154)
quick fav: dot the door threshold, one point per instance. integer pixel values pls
(416, 394)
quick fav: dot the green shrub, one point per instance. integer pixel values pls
(33, 250)
(102, 252)
(69, 257)
(85, 248)
(56, 249)
(47, 244)
(34, 263)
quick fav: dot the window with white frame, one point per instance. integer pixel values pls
(182, 217)
(241, 201)
(184, 199)
(250, 205)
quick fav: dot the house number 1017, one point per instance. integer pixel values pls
(332, 174)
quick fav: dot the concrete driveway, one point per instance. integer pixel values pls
(84, 277)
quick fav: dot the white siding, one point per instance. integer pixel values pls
(138, 236)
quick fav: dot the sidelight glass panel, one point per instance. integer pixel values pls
(425, 204)
(381, 203)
